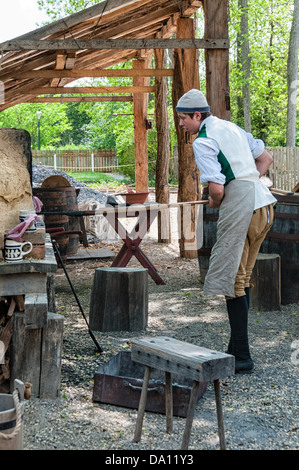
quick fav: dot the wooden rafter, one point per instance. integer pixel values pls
(95, 73)
(79, 99)
(94, 44)
(92, 89)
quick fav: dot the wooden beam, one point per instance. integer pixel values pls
(79, 99)
(95, 73)
(91, 89)
(88, 44)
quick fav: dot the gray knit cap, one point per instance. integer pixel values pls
(192, 101)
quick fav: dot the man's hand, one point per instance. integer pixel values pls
(263, 162)
(216, 192)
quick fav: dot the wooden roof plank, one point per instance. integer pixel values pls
(84, 44)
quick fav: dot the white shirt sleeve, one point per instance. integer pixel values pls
(205, 152)
(257, 146)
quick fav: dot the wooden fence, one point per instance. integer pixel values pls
(285, 171)
(76, 160)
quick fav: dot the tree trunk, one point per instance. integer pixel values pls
(140, 131)
(186, 76)
(163, 150)
(244, 51)
(292, 78)
(217, 63)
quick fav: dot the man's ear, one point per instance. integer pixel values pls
(197, 114)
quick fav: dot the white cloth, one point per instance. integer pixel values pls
(235, 214)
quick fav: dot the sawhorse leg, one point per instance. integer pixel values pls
(142, 403)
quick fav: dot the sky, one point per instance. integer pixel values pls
(19, 17)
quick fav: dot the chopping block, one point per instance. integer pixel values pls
(194, 362)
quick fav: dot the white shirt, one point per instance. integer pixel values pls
(206, 151)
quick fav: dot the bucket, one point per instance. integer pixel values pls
(283, 239)
(11, 418)
(209, 219)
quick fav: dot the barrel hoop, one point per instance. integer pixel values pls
(286, 216)
(281, 237)
(4, 425)
(289, 266)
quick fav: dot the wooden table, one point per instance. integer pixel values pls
(36, 332)
(189, 360)
(145, 214)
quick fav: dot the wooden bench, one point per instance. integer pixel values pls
(191, 361)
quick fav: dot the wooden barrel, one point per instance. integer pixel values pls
(210, 219)
(283, 239)
(61, 199)
(74, 222)
(54, 200)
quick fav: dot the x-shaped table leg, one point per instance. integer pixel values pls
(131, 242)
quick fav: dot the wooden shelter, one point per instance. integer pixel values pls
(36, 67)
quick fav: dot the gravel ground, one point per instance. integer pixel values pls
(260, 410)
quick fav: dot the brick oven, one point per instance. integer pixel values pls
(31, 332)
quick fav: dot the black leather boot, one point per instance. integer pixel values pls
(238, 318)
(247, 293)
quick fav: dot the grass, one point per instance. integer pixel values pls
(99, 181)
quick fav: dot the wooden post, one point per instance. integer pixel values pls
(217, 63)
(140, 132)
(186, 77)
(265, 294)
(119, 299)
(163, 150)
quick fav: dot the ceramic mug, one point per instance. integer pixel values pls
(23, 216)
(14, 252)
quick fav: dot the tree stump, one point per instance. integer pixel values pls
(119, 299)
(265, 295)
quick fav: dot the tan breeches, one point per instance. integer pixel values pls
(260, 224)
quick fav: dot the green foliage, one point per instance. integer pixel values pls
(269, 29)
(111, 124)
(53, 122)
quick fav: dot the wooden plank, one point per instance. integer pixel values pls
(82, 44)
(191, 361)
(30, 266)
(36, 311)
(95, 73)
(52, 339)
(25, 354)
(18, 284)
(95, 89)
(36, 355)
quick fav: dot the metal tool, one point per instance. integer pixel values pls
(56, 250)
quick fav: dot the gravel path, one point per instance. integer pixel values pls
(260, 410)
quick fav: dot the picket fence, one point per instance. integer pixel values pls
(284, 172)
(77, 160)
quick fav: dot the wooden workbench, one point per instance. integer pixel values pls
(36, 332)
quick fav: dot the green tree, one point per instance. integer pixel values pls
(53, 122)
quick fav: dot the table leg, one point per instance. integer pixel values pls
(131, 243)
(219, 414)
(142, 403)
(168, 401)
(190, 414)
